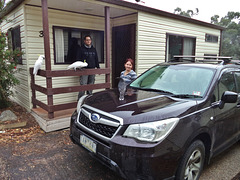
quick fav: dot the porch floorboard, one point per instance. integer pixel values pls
(61, 119)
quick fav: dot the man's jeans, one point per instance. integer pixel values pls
(86, 79)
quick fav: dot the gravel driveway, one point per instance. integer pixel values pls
(225, 166)
(54, 156)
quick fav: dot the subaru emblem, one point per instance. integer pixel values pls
(95, 117)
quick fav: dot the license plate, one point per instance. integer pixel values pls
(88, 143)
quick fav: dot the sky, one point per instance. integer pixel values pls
(207, 8)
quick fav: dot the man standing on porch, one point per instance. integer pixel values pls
(88, 54)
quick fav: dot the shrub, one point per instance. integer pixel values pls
(8, 67)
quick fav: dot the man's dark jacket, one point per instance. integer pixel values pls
(90, 55)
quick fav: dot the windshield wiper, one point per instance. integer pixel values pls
(156, 90)
(186, 96)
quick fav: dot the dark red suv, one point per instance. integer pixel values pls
(174, 118)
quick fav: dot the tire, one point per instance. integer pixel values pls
(192, 162)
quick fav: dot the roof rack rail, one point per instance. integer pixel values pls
(210, 59)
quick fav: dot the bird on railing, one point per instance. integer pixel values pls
(38, 64)
(77, 64)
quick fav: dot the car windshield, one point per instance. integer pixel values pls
(182, 81)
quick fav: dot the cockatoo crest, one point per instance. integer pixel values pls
(77, 64)
(38, 64)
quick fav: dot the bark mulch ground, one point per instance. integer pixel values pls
(21, 134)
(30, 153)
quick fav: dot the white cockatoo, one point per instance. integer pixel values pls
(77, 64)
(38, 64)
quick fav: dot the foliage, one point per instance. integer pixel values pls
(188, 13)
(8, 64)
(231, 35)
(2, 3)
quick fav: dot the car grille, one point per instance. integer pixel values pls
(106, 127)
(102, 129)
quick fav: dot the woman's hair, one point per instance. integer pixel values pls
(130, 60)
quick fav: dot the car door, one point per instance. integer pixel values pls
(225, 119)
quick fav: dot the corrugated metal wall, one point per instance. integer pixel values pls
(152, 34)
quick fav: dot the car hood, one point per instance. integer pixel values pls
(140, 106)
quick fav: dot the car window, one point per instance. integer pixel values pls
(226, 83)
(176, 79)
(237, 76)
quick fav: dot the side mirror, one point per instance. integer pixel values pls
(228, 97)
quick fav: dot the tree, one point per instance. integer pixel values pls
(231, 35)
(188, 13)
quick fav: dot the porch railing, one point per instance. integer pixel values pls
(49, 74)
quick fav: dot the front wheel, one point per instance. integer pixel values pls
(192, 162)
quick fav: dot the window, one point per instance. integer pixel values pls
(237, 76)
(226, 83)
(14, 40)
(180, 45)
(212, 56)
(211, 38)
(176, 79)
(67, 41)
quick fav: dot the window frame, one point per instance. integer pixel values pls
(182, 36)
(14, 40)
(237, 80)
(70, 29)
(213, 38)
(233, 74)
(210, 55)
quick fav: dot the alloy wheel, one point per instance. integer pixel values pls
(193, 166)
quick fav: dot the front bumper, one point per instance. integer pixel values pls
(131, 159)
(100, 156)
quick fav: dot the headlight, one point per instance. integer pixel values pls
(80, 102)
(153, 131)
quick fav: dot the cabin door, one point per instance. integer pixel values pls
(123, 47)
